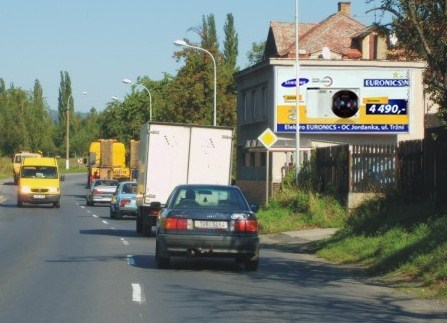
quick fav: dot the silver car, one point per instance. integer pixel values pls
(101, 191)
(124, 200)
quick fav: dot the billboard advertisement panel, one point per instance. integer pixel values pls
(343, 100)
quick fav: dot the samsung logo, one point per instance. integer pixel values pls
(292, 82)
(386, 82)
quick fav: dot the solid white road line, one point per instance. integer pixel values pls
(137, 294)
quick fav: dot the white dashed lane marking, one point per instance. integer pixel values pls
(130, 260)
(137, 294)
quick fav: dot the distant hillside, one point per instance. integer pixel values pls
(54, 114)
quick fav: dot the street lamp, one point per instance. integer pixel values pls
(127, 81)
(181, 42)
(67, 157)
(297, 94)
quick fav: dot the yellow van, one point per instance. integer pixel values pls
(39, 182)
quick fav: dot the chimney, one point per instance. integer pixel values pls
(345, 7)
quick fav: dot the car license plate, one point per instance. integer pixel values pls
(39, 196)
(210, 224)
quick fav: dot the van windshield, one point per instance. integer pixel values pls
(39, 172)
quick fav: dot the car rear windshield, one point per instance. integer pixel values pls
(226, 198)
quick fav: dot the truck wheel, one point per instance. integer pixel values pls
(138, 224)
(147, 229)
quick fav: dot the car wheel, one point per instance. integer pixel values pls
(57, 204)
(252, 262)
(163, 262)
(19, 203)
(147, 229)
(252, 265)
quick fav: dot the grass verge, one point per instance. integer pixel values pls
(292, 209)
(404, 243)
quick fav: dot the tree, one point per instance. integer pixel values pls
(39, 123)
(231, 43)
(64, 95)
(256, 54)
(227, 89)
(421, 30)
(88, 130)
(208, 34)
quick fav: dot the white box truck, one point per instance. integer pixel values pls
(171, 154)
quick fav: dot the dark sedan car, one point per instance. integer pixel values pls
(207, 220)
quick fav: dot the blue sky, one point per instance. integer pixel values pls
(101, 42)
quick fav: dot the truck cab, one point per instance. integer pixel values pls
(17, 162)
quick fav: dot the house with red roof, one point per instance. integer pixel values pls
(348, 93)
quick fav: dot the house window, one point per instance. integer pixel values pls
(263, 160)
(245, 106)
(249, 159)
(253, 105)
(264, 102)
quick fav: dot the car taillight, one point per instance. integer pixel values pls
(175, 224)
(246, 226)
(124, 202)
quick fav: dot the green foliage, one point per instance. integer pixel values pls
(24, 121)
(420, 27)
(256, 54)
(231, 43)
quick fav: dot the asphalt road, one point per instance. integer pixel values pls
(74, 264)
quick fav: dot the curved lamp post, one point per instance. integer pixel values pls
(185, 44)
(67, 149)
(127, 81)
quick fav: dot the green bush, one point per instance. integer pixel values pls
(294, 209)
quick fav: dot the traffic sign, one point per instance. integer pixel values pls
(268, 138)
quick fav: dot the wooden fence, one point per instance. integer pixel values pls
(416, 168)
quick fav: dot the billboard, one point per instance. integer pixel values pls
(343, 100)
